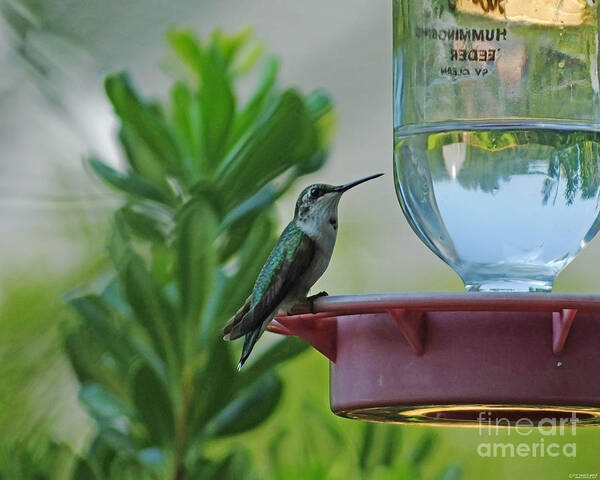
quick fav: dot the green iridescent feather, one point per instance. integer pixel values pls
(291, 242)
(288, 261)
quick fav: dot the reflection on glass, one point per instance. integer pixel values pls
(502, 205)
(497, 127)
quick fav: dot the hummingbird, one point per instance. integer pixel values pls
(298, 260)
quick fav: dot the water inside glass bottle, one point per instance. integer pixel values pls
(497, 134)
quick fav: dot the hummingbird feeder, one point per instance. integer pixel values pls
(457, 358)
(497, 170)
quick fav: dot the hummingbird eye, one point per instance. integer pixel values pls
(314, 192)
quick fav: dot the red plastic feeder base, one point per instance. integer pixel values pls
(460, 358)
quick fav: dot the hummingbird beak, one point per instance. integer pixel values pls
(348, 186)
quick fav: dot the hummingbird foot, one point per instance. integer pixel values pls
(298, 309)
(307, 305)
(312, 298)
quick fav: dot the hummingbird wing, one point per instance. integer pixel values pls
(288, 261)
(237, 318)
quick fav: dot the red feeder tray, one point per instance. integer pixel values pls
(458, 358)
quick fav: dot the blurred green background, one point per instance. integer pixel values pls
(79, 403)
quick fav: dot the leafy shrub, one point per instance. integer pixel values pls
(201, 176)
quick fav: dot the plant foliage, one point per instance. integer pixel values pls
(379, 452)
(201, 175)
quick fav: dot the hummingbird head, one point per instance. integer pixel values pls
(316, 208)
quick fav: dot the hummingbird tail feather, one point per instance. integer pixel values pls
(244, 326)
(228, 333)
(251, 339)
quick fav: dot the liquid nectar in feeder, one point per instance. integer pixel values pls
(497, 170)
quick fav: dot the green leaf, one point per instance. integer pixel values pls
(250, 409)
(119, 245)
(247, 59)
(380, 445)
(129, 183)
(99, 318)
(188, 48)
(255, 106)
(113, 298)
(142, 159)
(123, 468)
(276, 448)
(214, 314)
(230, 44)
(283, 137)
(260, 241)
(153, 361)
(218, 108)
(422, 449)
(196, 262)
(221, 470)
(110, 439)
(93, 361)
(93, 309)
(162, 264)
(256, 204)
(234, 238)
(78, 357)
(83, 471)
(366, 446)
(101, 454)
(217, 102)
(320, 108)
(147, 222)
(327, 432)
(101, 404)
(150, 307)
(278, 352)
(238, 222)
(148, 125)
(206, 190)
(214, 386)
(153, 405)
(392, 444)
(254, 253)
(187, 123)
(314, 163)
(235, 465)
